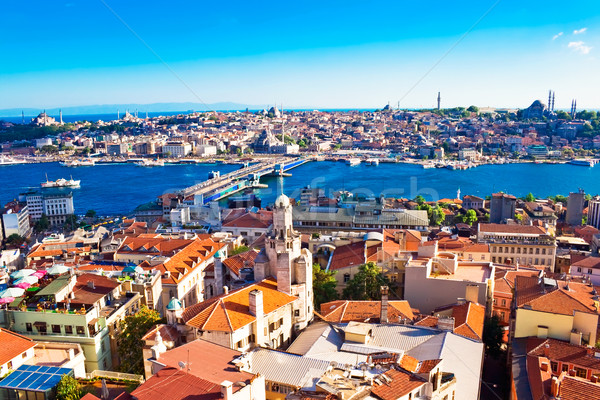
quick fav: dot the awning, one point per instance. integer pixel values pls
(39, 323)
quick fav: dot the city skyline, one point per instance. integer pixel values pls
(334, 55)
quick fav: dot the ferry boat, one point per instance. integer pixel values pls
(5, 160)
(353, 161)
(61, 182)
(78, 163)
(586, 162)
(150, 163)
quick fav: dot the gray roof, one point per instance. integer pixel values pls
(289, 369)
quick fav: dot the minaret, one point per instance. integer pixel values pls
(574, 108)
(23, 117)
(572, 102)
(60, 114)
(549, 99)
(118, 116)
(552, 109)
(439, 99)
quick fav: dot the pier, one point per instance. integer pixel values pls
(220, 186)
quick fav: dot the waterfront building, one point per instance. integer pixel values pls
(362, 216)
(56, 204)
(575, 205)
(594, 212)
(39, 143)
(176, 149)
(469, 154)
(117, 149)
(502, 207)
(537, 150)
(522, 244)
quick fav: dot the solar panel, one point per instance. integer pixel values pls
(34, 378)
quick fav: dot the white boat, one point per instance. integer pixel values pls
(428, 165)
(150, 163)
(6, 160)
(353, 161)
(78, 163)
(61, 182)
(373, 161)
(586, 162)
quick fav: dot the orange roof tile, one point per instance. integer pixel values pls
(13, 345)
(400, 385)
(343, 311)
(229, 312)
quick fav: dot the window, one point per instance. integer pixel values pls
(554, 366)
(589, 271)
(28, 327)
(69, 329)
(581, 372)
(55, 328)
(42, 328)
(296, 313)
(543, 251)
(537, 251)
(80, 330)
(578, 269)
(565, 367)
(503, 302)
(346, 278)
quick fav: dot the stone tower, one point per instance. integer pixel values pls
(285, 260)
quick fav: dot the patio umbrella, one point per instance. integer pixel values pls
(129, 269)
(12, 292)
(31, 279)
(22, 273)
(140, 270)
(58, 269)
(40, 273)
(6, 300)
(23, 285)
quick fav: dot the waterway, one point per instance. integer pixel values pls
(119, 188)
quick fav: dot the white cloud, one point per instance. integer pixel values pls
(559, 34)
(579, 31)
(580, 47)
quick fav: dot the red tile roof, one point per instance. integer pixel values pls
(216, 365)
(354, 310)
(262, 219)
(241, 260)
(348, 255)
(174, 384)
(400, 385)
(184, 261)
(512, 228)
(13, 345)
(229, 312)
(85, 294)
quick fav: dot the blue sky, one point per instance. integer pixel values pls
(322, 54)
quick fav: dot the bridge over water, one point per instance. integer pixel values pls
(220, 186)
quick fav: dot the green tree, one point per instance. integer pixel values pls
(239, 249)
(473, 109)
(530, 197)
(42, 224)
(366, 284)
(15, 239)
(492, 336)
(69, 389)
(90, 214)
(49, 149)
(560, 114)
(238, 151)
(324, 286)
(130, 344)
(70, 222)
(419, 200)
(470, 217)
(337, 146)
(437, 216)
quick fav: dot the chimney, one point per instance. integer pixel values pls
(554, 386)
(225, 290)
(383, 318)
(571, 372)
(472, 293)
(546, 350)
(256, 303)
(227, 390)
(91, 284)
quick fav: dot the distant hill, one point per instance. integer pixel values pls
(142, 108)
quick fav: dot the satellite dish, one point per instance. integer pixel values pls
(333, 364)
(181, 364)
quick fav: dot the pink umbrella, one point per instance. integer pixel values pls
(23, 285)
(40, 273)
(6, 300)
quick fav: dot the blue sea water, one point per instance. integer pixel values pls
(119, 188)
